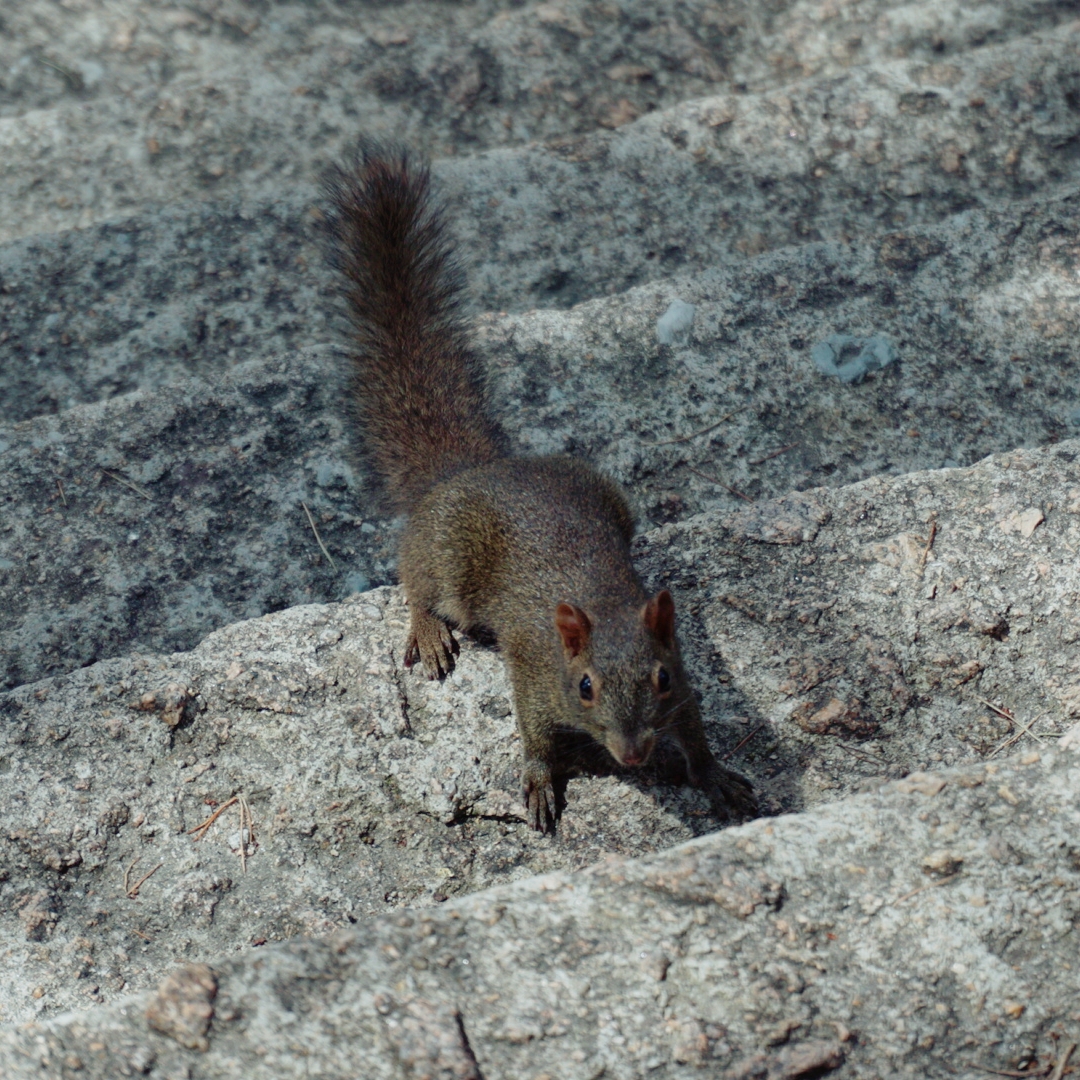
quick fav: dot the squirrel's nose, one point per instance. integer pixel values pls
(633, 751)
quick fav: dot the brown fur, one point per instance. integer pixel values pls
(419, 391)
(533, 550)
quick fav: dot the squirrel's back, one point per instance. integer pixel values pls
(419, 392)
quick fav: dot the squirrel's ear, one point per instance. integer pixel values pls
(574, 628)
(658, 615)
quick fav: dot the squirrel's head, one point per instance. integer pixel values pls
(622, 677)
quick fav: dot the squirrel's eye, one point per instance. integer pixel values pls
(663, 681)
(585, 688)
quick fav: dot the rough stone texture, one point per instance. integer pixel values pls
(370, 788)
(108, 107)
(95, 313)
(835, 643)
(983, 311)
(925, 930)
(148, 520)
(169, 369)
(863, 630)
(697, 185)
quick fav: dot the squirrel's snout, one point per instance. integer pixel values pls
(632, 750)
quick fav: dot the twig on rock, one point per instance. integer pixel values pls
(714, 480)
(775, 453)
(923, 888)
(1041, 1071)
(742, 743)
(1025, 730)
(311, 522)
(703, 431)
(205, 825)
(133, 892)
(128, 484)
(929, 545)
(1062, 1062)
(246, 822)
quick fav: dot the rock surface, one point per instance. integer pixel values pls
(838, 637)
(702, 184)
(918, 931)
(166, 513)
(108, 108)
(875, 580)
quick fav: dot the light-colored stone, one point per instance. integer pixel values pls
(173, 459)
(771, 967)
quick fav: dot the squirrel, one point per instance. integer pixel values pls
(534, 551)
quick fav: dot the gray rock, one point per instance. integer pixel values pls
(982, 310)
(222, 97)
(370, 789)
(148, 520)
(173, 459)
(697, 185)
(96, 313)
(868, 627)
(916, 931)
(839, 638)
(985, 331)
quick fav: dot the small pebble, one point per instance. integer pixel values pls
(234, 840)
(675, 322)
(850, 359)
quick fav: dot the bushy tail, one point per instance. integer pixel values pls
(419, 391)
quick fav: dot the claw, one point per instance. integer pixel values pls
(538, 793)
(731, 795)
(433, 644)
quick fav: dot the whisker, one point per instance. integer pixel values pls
(674, 708)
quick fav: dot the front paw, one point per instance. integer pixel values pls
(538, 792)
(731, 795)
(433, 644)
